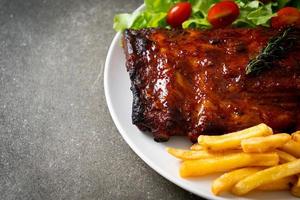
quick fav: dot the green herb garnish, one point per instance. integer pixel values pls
(275, 50)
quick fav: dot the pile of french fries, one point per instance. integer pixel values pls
(251, 159)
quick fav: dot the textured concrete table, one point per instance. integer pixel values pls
(57, 140)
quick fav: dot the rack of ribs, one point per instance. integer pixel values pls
(192, 82)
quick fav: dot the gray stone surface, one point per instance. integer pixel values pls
(57, 140)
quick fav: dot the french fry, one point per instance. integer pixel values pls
(296, 188)
(285, 157)
(189, 154)
(281, 184)
(267, 162)
(195, 155)
(264, 144)
(296, 136)
(228, 180)
(233, 140)
(192, 168)
(292, 148)
(266, 176)
(196, 147)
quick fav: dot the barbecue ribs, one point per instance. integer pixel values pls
(192, 82)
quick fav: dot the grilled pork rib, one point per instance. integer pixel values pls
(192, 82)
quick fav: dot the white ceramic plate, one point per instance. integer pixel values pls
(119, 100)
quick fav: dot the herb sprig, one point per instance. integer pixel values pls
(275, 50)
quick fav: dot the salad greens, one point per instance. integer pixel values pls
(252, 13)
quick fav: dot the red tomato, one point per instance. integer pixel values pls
(223, 14)
(179, 13)
(285, 17)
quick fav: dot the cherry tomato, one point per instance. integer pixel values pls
(285, 17)
(223, 14)
(179, 13)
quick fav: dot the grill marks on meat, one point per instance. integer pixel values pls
(191, 82)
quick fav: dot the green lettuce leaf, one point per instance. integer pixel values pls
(200, 9)
(261, 15)
(196, 23)
(252, 13)
(202, 6)
(148, 19)
(123, 21)
(159, 5)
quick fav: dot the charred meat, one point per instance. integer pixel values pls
(192, 82)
